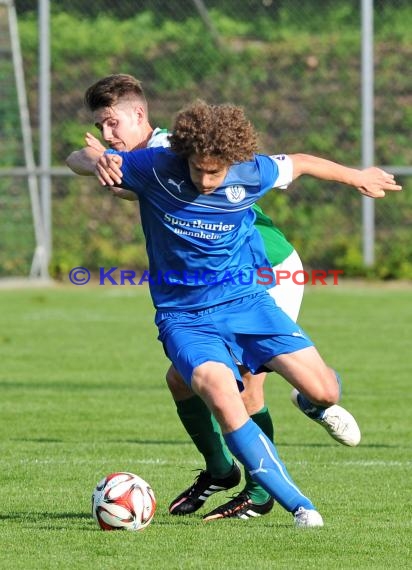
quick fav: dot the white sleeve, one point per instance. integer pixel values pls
(159, 138)
(285, 168)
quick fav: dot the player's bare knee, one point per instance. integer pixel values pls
(215, 383)
(328, 399)
(332, 388)
(172, 378)
(210, 375)
(253, 402)
(176, 384)
(253, 395)
(326, 393)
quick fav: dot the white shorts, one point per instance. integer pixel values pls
(288, 294)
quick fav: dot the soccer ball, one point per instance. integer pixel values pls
(123, 501)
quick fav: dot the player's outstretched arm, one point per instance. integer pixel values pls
(108, 169)
(372, 182)
(84, 161)
(93, 142)
(88, 162)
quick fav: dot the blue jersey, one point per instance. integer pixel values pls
(203, 250)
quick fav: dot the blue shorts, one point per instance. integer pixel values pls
(250, 330)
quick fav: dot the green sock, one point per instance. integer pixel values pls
(206, 435)
(253, 489)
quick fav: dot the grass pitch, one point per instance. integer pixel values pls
(82, 394)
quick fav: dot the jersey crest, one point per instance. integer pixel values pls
(235, 194)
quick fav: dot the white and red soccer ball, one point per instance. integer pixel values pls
(123, 501)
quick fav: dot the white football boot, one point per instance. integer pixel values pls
(337, 421)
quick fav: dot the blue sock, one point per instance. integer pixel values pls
(310, 409)
(258, 454)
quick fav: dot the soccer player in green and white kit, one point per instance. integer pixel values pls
(119, 110)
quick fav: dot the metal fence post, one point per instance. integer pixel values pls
(368, 146)
(44, 115)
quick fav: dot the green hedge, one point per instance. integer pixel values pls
(300, 86)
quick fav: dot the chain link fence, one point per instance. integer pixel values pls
(294, 66)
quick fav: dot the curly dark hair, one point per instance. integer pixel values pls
(112, 89)
(221, 131)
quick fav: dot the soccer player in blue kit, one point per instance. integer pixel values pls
(119, 110)
(203, 249)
